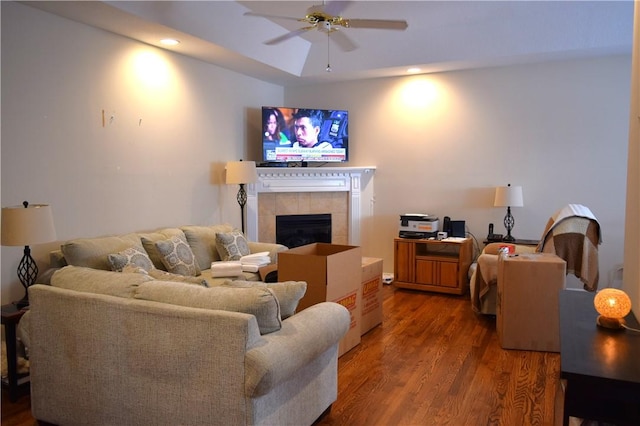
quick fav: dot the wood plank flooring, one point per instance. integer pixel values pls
(432, 362)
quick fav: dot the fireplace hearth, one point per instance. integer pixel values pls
(297, 230)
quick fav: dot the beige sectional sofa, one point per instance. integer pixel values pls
(127, 348)
(94, 252)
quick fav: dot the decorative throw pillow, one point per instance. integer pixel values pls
(256, 301)
(177, 257)
(232, 246)
(149, 240)
(130, 256)
(288, 293)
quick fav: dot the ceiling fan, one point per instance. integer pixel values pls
(326, 18)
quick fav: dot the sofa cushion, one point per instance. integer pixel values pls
(257, 301)
(288, 293)
(91, 280)
(232, 245)
(94, 252)
(149, 240)
(130, 256)
(158, 274)
(177, 257)
(168, 276)
(202, 240)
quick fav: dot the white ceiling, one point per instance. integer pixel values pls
(442, 35)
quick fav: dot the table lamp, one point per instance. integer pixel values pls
(24, 226)
(612, 305)
(508, 196)
(241, 172)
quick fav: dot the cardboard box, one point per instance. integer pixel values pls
(333, 273)
(527, 316)
(371, 293)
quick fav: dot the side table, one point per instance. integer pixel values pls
(16, 383)
(601, 367)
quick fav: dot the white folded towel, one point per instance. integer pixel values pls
(256, 259)
(250, 268)
(230, 268)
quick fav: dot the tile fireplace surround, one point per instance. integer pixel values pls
(357, 182)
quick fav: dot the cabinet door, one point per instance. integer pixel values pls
(448, 274)
(426, 272)
(403, 261)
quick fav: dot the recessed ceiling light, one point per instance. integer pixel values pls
(169, 41)
(413, 70)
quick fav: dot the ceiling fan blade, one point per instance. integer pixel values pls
(343, 41)
(262, 15)
(379, 24)
(287, 36)
(336, 7)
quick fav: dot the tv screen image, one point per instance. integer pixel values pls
(304, 135)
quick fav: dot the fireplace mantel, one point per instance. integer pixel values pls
(311, 179)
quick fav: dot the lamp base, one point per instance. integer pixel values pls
(22, 303)
(508, 239)
(610, 323)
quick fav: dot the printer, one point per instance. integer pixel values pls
(417, 225)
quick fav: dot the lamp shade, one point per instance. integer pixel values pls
(27, 226)
(241, 172)
(613, 304)
(508, 196)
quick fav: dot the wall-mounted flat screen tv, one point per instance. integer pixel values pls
(304, 135)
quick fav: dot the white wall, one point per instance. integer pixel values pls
(159, 162)
(442, 142)
(558, 129)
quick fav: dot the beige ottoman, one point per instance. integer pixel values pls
(527, 301)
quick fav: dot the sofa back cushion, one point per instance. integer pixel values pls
(91, 280)
(288, 293)
(202, 240)
(257, 301)
(94, 252)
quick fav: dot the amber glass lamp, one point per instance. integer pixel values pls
(612, 305)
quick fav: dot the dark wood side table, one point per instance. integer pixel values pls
(15, 382)
(601, 366)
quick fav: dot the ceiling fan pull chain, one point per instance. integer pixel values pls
(328, 61)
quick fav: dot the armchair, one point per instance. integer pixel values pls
(572, 233)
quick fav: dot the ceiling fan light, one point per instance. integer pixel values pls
(170, 41)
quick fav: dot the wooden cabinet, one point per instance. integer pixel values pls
(432, 265)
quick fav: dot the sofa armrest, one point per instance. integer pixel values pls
(272, 248)
(304, 337)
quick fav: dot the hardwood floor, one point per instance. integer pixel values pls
(432, 362)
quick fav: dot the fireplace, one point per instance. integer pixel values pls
(355, 182)
(295, 230)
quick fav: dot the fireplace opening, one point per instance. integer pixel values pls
(297, 230)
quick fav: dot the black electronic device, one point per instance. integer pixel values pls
(416, 235)
(494, 238)
(284, 133)
(446, 225)
(457, 228)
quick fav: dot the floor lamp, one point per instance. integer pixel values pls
(241, 172)
(24, 226)
(508, 196)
